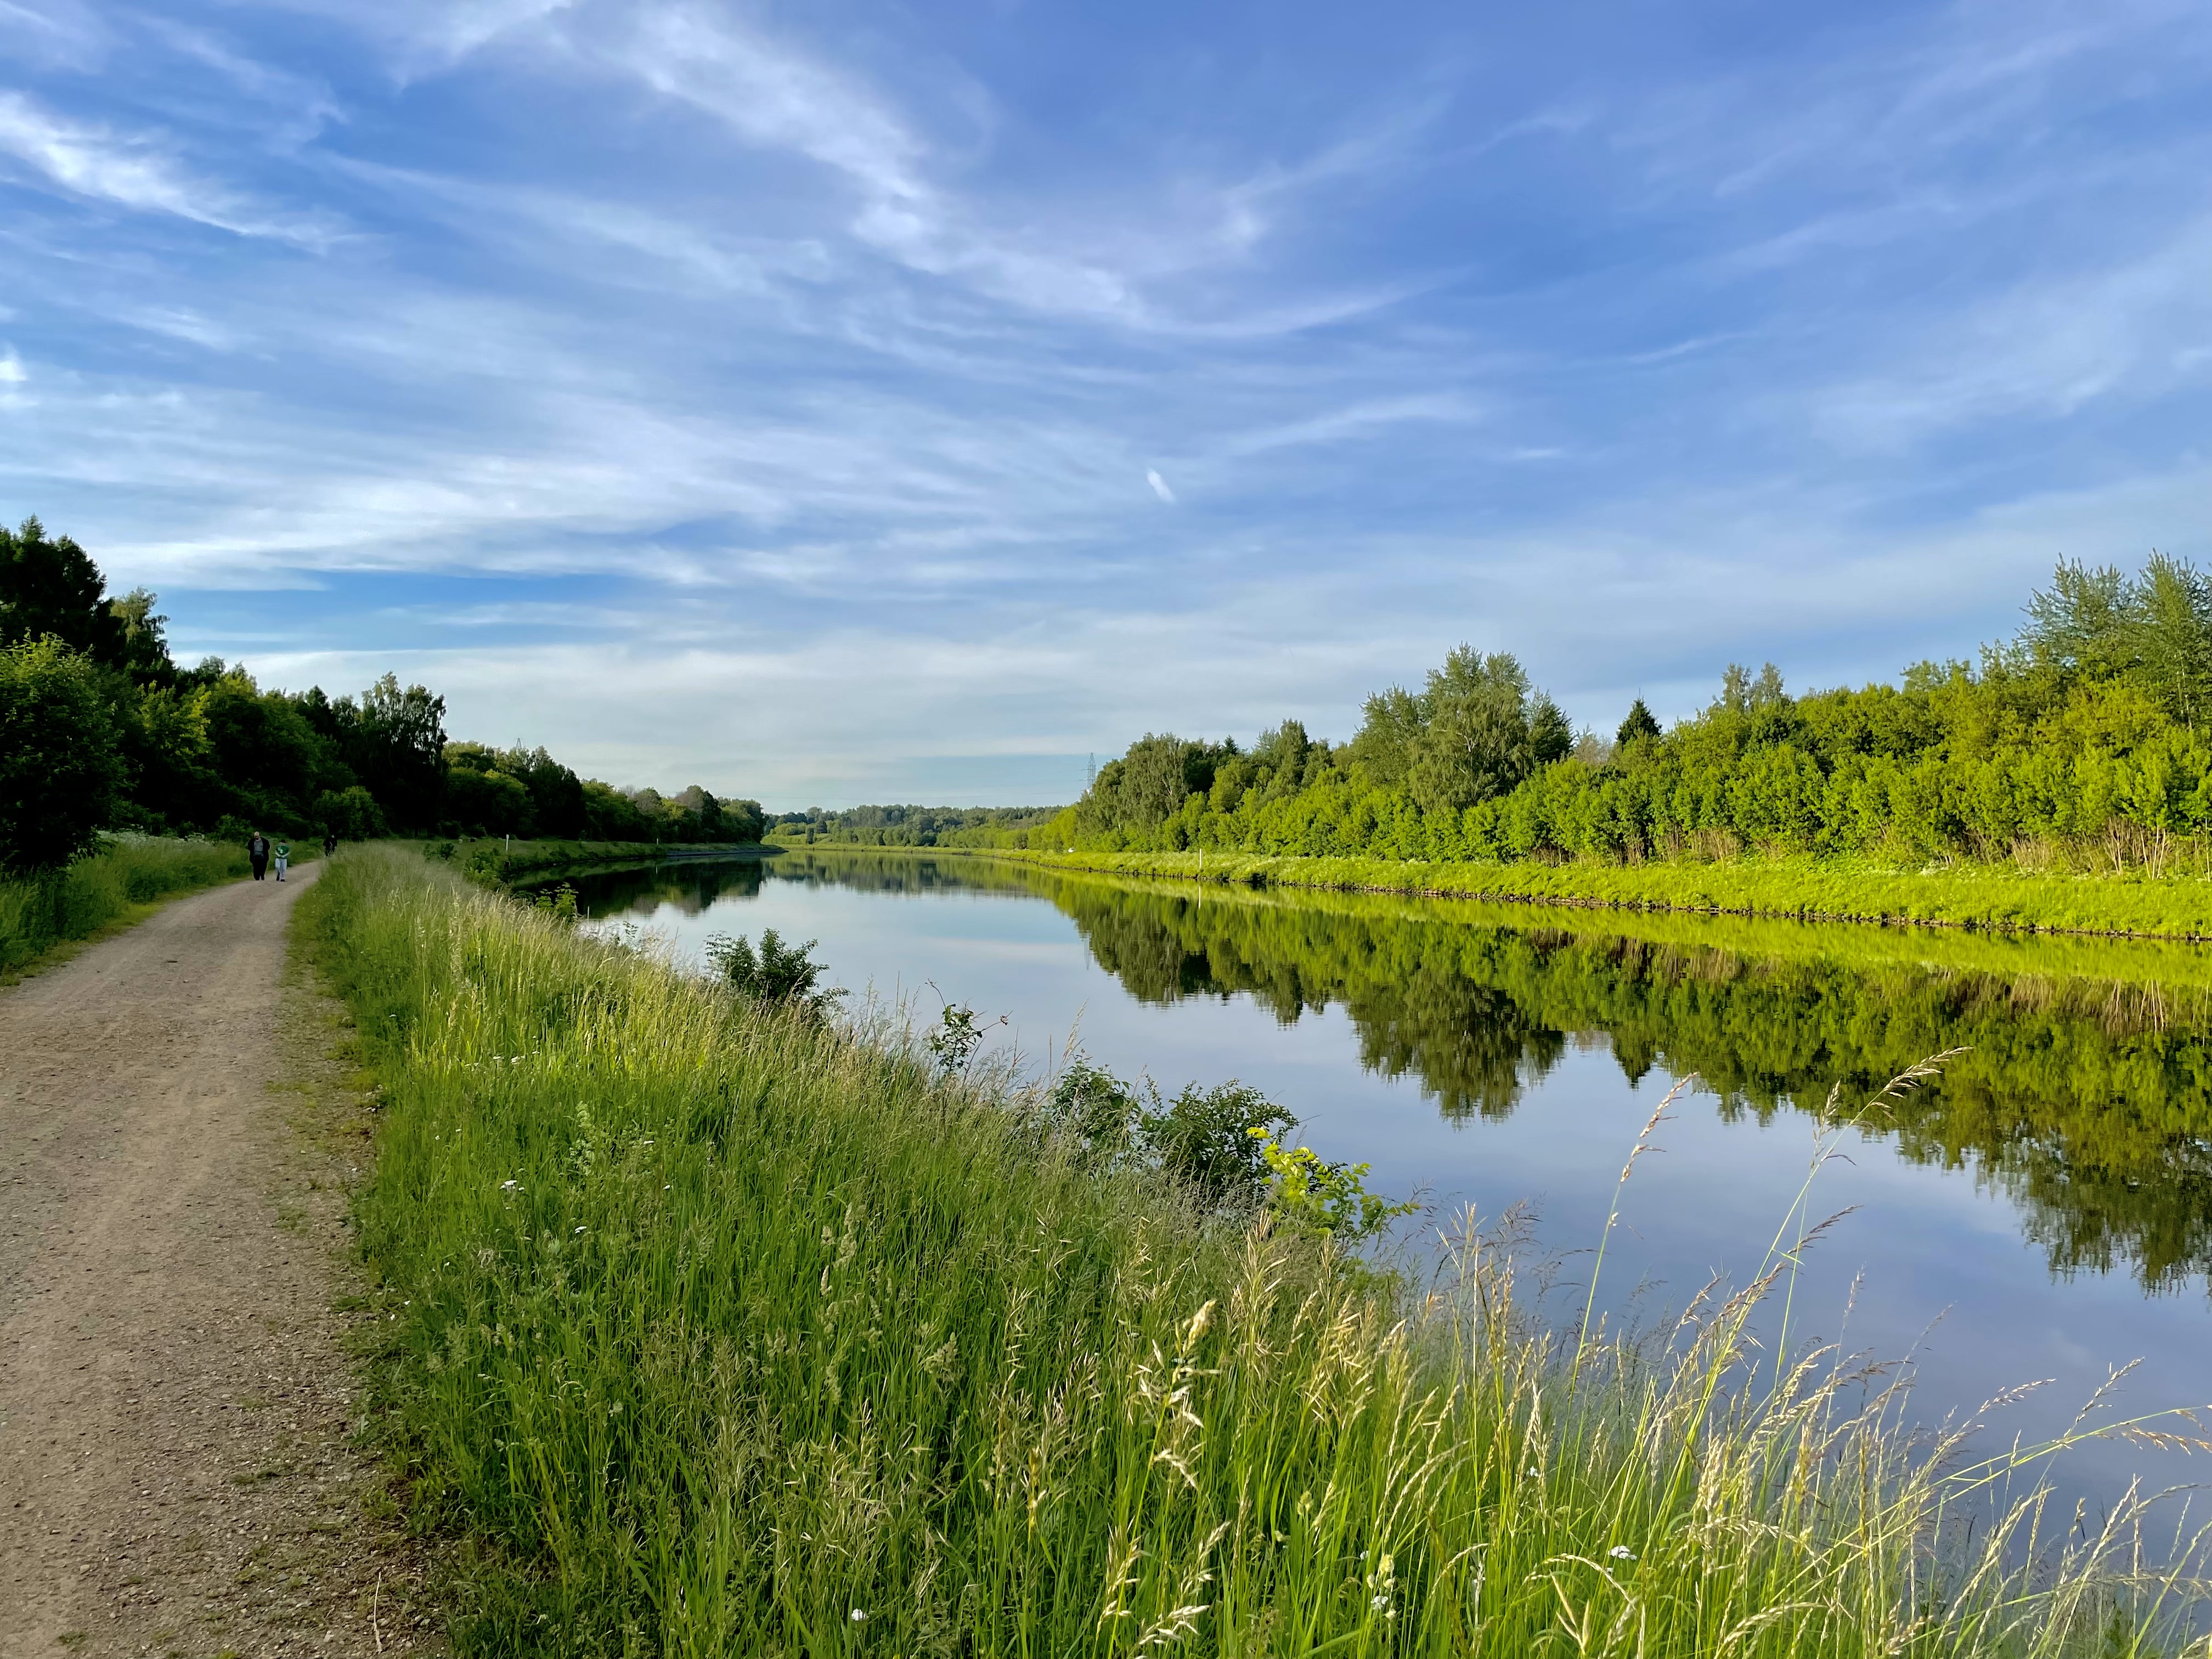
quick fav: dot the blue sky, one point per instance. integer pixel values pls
(833, 403)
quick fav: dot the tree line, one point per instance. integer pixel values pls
(101, 729)
(907, 826)
(2082, 743)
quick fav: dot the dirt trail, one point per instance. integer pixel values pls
(174, 1402)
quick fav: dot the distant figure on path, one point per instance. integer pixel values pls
(256, 852)
(283, 857)
(330, 844)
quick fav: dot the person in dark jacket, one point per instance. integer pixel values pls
(330, 845)
(257, 853)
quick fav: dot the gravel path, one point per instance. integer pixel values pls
(175, 1141)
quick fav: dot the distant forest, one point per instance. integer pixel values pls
(100, 729)
(908, 826)
(2084, 743)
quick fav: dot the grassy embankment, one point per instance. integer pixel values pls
(1961, 896)
(725, 1332)
(122, 884)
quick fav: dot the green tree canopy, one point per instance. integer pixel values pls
(52, 587)
(1475, 729)
(59, 769)
(2154, 628)
(399, 750)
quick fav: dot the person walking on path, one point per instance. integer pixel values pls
(257, 853)
(330, 844)
(283, 858)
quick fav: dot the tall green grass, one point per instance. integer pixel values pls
(1991, 896)
(728, 1332)
(39, 912)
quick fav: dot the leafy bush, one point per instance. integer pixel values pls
(953, 1041)
(560, 905)
(1314, 1196)
(1208, 1140)
(1092, 1108)
(1204, 1137)
(785, 974)
(59, 768)
(350, 814)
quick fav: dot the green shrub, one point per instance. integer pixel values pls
(58, 763)
(776, 972)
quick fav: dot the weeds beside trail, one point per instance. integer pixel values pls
(728, 1332)
(39, 912)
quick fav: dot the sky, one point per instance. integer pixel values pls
(841, 403)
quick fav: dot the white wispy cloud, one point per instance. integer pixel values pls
(774, 93)
(137, 171)
(2045, 348)
(423, 39)
(254, 89)
(1358, 421)
(1099, 259)
(54, 34)
(1159, 486)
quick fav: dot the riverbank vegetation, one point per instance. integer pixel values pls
(2079, 747)
(102, 729)
(115, 883)
(728, 1328)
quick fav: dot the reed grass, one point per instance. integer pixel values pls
(730, 1332)
(114, 885)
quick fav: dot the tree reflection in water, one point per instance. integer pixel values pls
(2084, 1094)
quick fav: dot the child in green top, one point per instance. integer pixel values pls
(283, 852)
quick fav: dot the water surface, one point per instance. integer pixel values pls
(2042, 1210)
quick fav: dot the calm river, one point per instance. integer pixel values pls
(2043, 1211)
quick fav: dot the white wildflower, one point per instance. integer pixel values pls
(510, 1186)
(1622, 1552)
(857, 1616)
